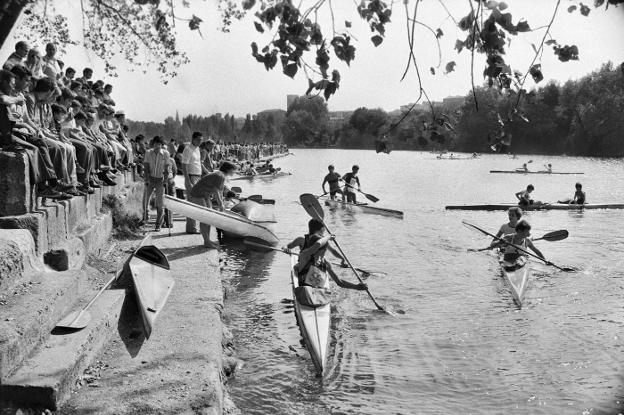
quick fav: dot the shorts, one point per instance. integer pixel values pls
(333, 192)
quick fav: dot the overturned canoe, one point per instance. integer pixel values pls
(541, 206)
(232, 223)
(363, 208)
(533, 172)
(152, 283)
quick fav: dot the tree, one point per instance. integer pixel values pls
(368, 121)
(307, 121)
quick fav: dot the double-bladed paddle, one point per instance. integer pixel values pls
(550, 237)
(272, 248)
(368, 196)
(565, 269)
(314, 209)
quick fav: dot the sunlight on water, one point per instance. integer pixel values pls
(461, 346)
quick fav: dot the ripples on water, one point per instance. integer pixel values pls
(461, 346)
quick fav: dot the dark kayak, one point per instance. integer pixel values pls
(532, 172)
(541, 206)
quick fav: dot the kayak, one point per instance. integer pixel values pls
(517, 275)
(533, 172)
(363, 208)
(233, 223)
(314, 324)
(152, 282)
(541, 206)
(261, 176)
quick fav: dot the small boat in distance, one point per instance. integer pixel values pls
(538, 206)
(532, 172)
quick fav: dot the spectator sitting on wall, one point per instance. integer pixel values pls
(51, 67)
(34, 63)
(87, 73)
(68, 78)
(17, 57)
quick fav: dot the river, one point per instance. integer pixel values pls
(457, 343)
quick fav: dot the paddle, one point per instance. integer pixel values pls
(314, 209)
(550, 237)
(565, 269)
(368, 196)
(257, 245)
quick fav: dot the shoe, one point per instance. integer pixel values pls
(85, 188)
(72, 190)
(107, 180)
(94, 184)
(114, 171)
(50, 193)
(157, 229)
(80, 170)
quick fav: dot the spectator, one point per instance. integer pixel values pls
(87, 73)
(34, 64)
(51, 67)
(172, 146)
(68, 78)
(157, 165)
(17, 57)
(192, 170)
(139, 149)
(206, 160)
(170, 189)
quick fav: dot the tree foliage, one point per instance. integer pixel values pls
(307, 122)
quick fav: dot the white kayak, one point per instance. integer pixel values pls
(262, 176)
(363, 208)
(152, 283)
(233, 223)
(314, 324)
(517, 275)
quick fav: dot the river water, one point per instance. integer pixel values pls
(457, 343)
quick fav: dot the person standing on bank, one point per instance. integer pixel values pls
(351, 180)
(192, 170)
(209, 187)
(156, 164)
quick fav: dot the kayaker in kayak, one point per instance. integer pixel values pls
(521, 238)
(514, 214)
(351, 180)
(209, 187)
(312, 268)
(548, 167)
(523, 168)
(333, 178)
(579, 196)
(524, 196)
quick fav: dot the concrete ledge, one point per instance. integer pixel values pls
(15, 184)
(17, 250)
(47, 378)
(28, 314)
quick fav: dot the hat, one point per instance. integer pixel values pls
(119, 113)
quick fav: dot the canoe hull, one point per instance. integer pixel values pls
(262, 176)
(363, 208)
(256, 212)
(314, 324)
(532, 172)
(517, 276)
(232, 223)
(152, 282)
(544, 206)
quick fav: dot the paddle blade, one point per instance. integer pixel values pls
(555, 236)
(75, 320)
(371, 198)
(312, 206)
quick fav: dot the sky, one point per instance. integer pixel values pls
(223, 76)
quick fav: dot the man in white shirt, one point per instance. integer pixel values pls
(192, 170)
(157, 165)
(50, 64)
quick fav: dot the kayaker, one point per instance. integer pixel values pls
(579, 196)
(514, 214)
(548, 167)
(521, 238)
(209, 187)
(523, 168)
(312, 268)
(332, 178)
(524, 196)
(351, 180)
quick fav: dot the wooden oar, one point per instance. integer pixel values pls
(272, 248)
(550, 237)
(81, 318)
(314, 209)
(565, 269)
(368, 196)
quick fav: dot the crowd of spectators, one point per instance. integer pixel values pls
(75, 137)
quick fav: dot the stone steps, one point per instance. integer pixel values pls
(48, 376)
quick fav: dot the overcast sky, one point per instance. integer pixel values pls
(224, 77)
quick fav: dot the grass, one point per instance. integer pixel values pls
(125, 225)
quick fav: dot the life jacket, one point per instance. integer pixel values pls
(313, 272)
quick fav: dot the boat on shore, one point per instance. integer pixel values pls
(314, 324)
(538, 206)
(517, 276)
(256, 211)
(532, 172)
(229, 222)
(363, 208)
(152, 282)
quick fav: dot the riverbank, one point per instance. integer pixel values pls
(181, 368)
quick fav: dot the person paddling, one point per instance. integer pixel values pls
(548, 167)
(579, 196)
(332, 178)
(312, 268)
(351, 179)
(520, 238)
(209, 187)
(524, 196)
(524, 168)
(514, 214)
